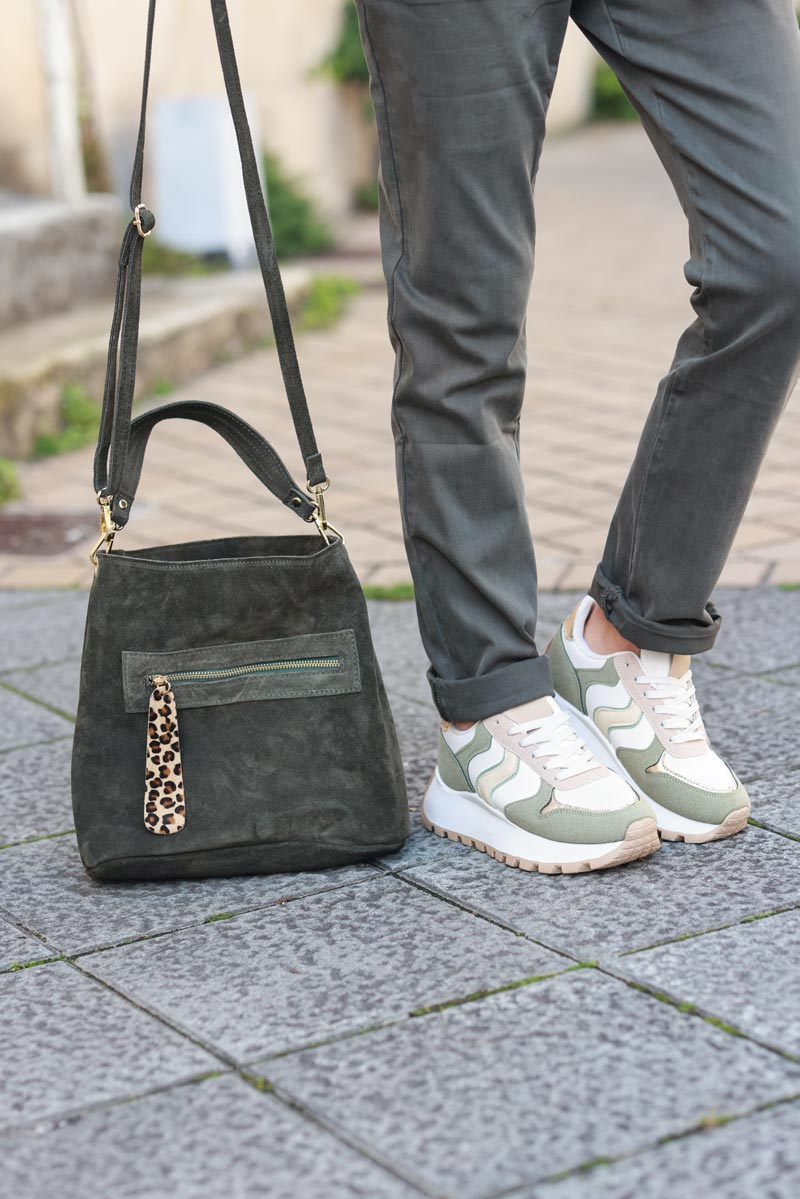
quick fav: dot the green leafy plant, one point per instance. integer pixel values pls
(400, 591)
(609, 102)
(346, 62)
(9, 483)
(160, 259)
(326, 300)
(77, 423)
(296, 226)
(366, 197)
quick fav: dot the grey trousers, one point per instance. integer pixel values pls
(460, 89)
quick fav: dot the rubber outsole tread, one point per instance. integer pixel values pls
(733, 823)
(640, 841)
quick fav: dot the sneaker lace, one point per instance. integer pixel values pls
(679, 703)
(554, 737)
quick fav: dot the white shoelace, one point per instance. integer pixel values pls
(678, 703)
(555, 738)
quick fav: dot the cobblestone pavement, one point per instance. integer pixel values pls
(608, 303)
(434, 1024)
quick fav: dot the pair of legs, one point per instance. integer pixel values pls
(461, 89)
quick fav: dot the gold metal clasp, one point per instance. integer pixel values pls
(107, 528)
(317, 492)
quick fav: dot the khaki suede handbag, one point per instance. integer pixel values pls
(232, 717)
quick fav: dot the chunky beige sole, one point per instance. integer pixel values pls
(640, 841)
(733, 823)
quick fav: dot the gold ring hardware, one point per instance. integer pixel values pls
(107, 528)
(137, 220)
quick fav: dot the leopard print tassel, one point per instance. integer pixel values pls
(164, 804)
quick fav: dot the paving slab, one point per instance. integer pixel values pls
(519, 1086)
(56, 685)
(319, 967)
(417, 725)
(45, 887)
(759, 631)
(680, 889)
(756, 1156)
(776, 801)
(24, 722)
(44, 807)
(48, 629)
(206, 1140)
(67, 1042)
(17, 947)
(747, 975)
(746, 719)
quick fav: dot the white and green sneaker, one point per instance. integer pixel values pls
(640, 715)
(522, 787)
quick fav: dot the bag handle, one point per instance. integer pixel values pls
(110, 463)
(254, 450)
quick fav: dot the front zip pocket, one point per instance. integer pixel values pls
(163, 684)
(306, 666)
(164, 798)
(290, 666)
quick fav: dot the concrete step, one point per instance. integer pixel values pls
(54, 256)
(188, 325)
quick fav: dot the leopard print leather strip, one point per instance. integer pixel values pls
(164, 804)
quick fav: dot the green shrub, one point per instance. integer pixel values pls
(296, 226)
(346, 62)
(160, 259)
(77, 424)
(366, 197)
(400, 591)
(326, 301)
(609, 102)
(9, 483)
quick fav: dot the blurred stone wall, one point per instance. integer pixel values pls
(312, 124)
(24, 121)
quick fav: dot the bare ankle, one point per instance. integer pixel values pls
(462, 725)
(602, 637)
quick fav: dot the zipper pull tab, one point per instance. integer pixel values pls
(164, 804)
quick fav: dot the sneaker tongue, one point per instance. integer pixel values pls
(659, 665)
(534, 709)
(656, 664)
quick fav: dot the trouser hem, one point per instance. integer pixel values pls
(671, 637)
(475, 699)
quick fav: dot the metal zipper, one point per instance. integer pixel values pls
(286, 666)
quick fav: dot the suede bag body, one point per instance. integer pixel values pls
(298, 783)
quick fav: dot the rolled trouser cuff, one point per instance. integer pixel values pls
(680, 636)
(477, 698)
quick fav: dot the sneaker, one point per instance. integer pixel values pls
(522, 787)
(639, 714)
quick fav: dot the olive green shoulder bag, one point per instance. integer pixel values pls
(232, 717)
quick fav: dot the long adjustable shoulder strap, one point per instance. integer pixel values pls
(113, 440)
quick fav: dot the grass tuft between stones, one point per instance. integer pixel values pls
(512, 986)
(17, 966)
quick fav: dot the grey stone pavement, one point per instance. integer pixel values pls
(433, 1024)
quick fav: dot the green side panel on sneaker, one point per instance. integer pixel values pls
(454, 767)
(565, 677)
(677, 794)
(571, 683)
(576, 825)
